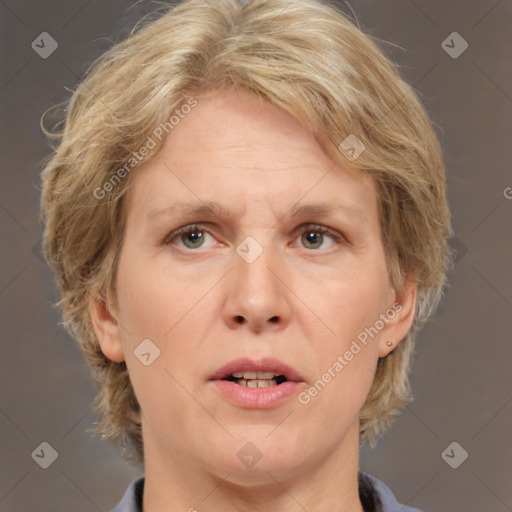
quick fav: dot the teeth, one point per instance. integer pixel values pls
(254, 375)
(252, 379)
(254, 383)
(266, 383)
(265, 375)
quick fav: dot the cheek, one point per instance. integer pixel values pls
(152, 299)
(343, 383)
(347, 353)
(351, 303)
(157, 303)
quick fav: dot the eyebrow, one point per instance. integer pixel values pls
(215, 209)
(205, 208)
(326, 208)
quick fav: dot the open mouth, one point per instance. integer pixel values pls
(252, 379)
(256, 384)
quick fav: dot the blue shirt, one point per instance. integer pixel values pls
(132, 499)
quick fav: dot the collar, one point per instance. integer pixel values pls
(132, 498)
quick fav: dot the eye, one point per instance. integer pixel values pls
(191, 236)
(313, 236)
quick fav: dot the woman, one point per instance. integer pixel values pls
(247, 217)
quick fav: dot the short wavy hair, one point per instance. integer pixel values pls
(305, 56)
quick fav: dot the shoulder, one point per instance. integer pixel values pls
(132, 498)
(388, 501)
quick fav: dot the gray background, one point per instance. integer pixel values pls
(461, 380)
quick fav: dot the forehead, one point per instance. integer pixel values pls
(234, 147)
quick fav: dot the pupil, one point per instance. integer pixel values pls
(314, 238)
(194, 236)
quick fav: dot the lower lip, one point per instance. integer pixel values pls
(256, 398)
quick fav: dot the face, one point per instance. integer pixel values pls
(262, 275)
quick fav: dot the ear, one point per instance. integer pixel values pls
(106, 329)
(398, 325)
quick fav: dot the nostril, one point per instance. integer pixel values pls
(240, 319)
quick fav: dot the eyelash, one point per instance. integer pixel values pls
(338, 238)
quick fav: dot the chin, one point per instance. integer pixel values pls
(252, 453)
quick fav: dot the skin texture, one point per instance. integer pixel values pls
(303, 301)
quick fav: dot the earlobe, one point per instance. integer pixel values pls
(106, 329)
(401, 317)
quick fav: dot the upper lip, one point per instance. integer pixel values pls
(266, 364)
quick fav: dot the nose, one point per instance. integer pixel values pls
(257, 295)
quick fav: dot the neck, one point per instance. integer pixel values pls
(174, 481)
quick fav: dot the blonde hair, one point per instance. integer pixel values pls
(304, 56)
